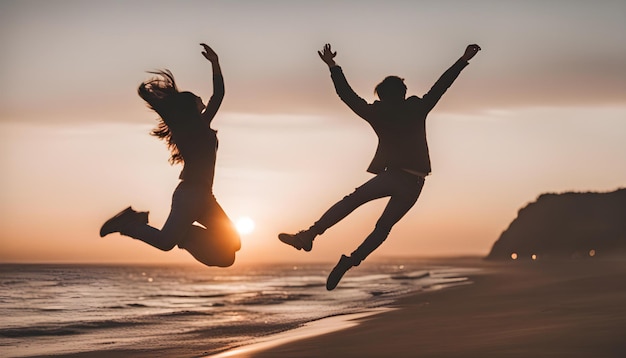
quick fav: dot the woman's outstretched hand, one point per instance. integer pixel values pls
(208, 53)
(470, 52)
(327, 55)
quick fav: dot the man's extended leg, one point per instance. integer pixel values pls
(374, 188)
(406, 189)
(394, 211)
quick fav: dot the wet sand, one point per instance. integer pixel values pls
(573, 308)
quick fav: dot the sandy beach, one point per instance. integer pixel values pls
(515, 309)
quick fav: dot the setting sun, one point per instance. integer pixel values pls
(245, 225)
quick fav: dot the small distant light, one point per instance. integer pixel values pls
(592, 252)
(534, 257)
(401, 267)
(514, 256)
(150, 279)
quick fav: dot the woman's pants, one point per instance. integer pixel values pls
(214, 243)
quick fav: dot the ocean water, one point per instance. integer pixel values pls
(67, 309)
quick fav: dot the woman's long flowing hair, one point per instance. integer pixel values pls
(160, 93)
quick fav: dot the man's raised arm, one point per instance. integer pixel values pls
(343, 89)
(445, 81)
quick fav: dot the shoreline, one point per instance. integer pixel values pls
(570, 308)
(459, 266)
(308, 330)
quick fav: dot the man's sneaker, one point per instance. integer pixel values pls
(301, 240)
(121, 220)
(344, 264)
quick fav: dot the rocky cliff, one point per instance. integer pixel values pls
(567, 225)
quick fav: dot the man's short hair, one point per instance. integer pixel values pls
(392, 87)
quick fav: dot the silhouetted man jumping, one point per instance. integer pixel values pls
(401, 161)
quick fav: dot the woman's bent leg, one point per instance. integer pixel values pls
(221, 228)
(217, 242)
(187, 202)
(150, 235)
(204, 247)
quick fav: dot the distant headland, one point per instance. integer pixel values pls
(567, 225)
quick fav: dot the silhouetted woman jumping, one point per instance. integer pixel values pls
(401, 161)
(185, 125)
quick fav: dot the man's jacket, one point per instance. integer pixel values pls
(400, 126)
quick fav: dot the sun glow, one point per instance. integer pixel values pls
(245, 225)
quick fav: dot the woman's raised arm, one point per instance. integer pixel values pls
(218, 84)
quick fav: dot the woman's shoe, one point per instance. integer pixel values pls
(142, 216)
(121, 220)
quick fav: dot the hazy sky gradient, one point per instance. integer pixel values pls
(541, 108)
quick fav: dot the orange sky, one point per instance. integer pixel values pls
(541, 109)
